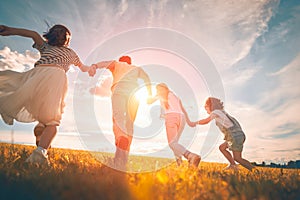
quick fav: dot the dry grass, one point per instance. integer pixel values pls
(77, 174)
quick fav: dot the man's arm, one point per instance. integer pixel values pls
(105, 64)
(143, 75)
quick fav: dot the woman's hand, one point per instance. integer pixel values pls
(5, 30)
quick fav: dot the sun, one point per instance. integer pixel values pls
(141, 94)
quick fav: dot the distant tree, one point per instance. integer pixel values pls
(291, 164)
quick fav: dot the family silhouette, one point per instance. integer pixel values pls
(39, 93)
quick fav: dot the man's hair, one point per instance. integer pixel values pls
(125, 59)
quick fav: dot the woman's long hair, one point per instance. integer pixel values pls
(57, 35)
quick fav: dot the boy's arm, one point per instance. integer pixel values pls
(7, 31)
(204, 121)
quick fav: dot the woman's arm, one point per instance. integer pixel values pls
(90, 69)
(8, 31)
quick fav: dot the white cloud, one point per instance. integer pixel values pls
(287, 89)
(15, 61)
(227, 29)
(123, 7)
(238, 77)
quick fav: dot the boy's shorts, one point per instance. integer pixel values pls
(236, 143)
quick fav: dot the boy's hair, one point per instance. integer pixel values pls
(57, 35)
(214, 103)
(125, 59)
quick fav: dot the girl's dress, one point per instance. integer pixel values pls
(174, 122)
(37, 94)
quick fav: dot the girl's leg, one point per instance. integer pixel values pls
(47, 136)
(174, 129)
(223, 148)
(238, 158)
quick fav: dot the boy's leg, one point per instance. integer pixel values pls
(223, 148)
(238, 158)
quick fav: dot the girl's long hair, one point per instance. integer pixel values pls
(164, 95)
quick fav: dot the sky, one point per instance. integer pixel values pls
(247, 53)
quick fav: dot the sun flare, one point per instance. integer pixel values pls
(141, 94)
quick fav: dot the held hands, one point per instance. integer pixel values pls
(193, 124)
(150, 100)
(92, 71)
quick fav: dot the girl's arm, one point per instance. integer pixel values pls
(188, 121)
(7, 31)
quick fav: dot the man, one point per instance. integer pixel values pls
(124, 103)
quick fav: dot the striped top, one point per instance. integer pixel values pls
(61, 56)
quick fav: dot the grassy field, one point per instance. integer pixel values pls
(78, 175)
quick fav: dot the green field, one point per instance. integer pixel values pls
(77, 174)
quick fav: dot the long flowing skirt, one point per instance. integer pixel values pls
(35, 95)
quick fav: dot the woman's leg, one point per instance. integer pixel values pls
(38, 131)
(39, 155)
(47, 136)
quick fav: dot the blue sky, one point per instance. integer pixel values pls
(254, 47)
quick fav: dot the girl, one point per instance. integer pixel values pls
(38, 94)
(234, 135)
(175, 118)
